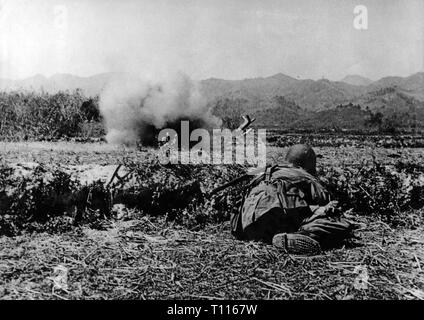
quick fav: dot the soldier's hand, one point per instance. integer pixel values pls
(332, 208)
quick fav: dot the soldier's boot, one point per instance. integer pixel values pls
(296, 243)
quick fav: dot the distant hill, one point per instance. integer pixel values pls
(322, 94)
(275, 112)
(411, 86)
(343, 117)
(356, 80)
(257, 88)
(392, 98)
(308, 94)
(284, 101)
(281, 100)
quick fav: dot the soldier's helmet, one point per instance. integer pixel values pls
(302, 155)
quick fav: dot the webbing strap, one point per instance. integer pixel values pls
(268, 173)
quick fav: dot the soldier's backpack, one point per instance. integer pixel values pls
(277, 201)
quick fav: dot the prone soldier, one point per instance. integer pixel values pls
(287, 206)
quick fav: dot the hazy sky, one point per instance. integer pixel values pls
(230, 39)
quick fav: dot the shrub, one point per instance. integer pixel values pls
(377, 190)
(49, 200)
(41, 116)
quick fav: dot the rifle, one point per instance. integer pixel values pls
(237, 180)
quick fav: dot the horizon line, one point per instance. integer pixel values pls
(48, 77)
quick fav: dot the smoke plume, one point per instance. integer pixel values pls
(135, 110)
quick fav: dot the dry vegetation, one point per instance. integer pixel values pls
(154, 251)
(58, 212)
(43, 116)
(149, 259)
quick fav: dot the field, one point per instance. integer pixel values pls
(189, 253)
(91, 92)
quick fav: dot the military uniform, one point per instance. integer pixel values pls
(287, 199)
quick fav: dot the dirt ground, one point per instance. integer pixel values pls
(149, 258)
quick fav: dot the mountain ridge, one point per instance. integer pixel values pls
(280, 99)
(356, 80)
(277, 84)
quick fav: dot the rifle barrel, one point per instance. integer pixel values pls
(237, 180)
(229, 184)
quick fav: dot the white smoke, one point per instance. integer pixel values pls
(134, 110)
